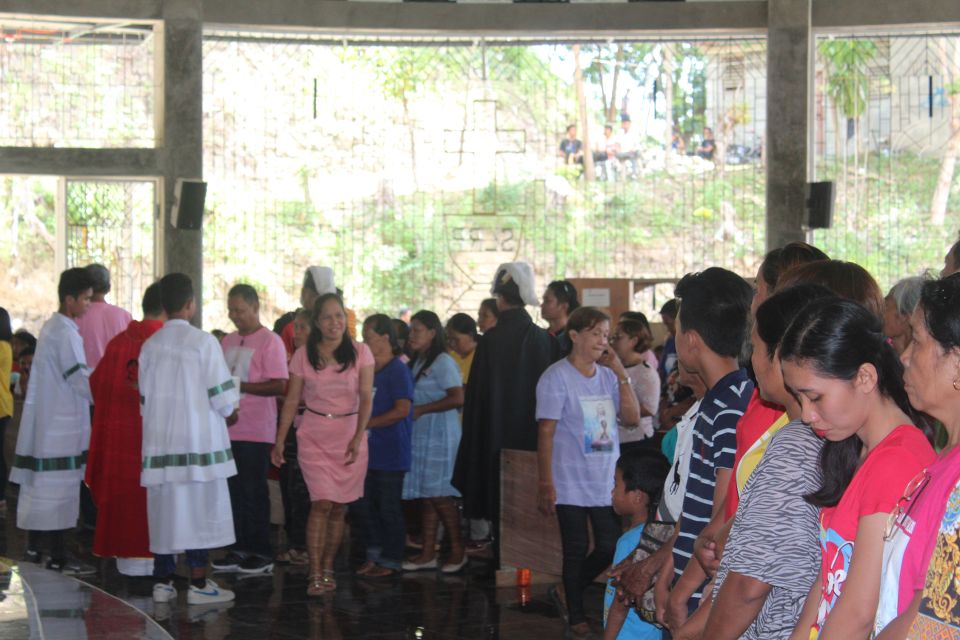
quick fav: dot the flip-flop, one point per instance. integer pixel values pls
(381, 572)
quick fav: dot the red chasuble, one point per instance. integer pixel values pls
(114, 458)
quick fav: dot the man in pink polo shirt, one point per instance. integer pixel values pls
(256, 356)
(103, 321)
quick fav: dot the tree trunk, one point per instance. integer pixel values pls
(938, 206)
(668, 112)
(611, 112)
(584, 120)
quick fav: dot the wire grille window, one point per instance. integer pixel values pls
(28, 248)
(414, 168)
(76, 85)
(887, 132)
(112, 223)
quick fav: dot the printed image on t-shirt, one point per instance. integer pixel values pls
(599, 421)
(838, 551)
(939, 615)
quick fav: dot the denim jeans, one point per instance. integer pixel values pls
(165, 565)
(380, 517)
(250, 498)
(580, 569)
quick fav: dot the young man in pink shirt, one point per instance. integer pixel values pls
(256, 356)
(103, 321)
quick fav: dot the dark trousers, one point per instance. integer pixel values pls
(379, 515)
(580, 569)
(55, 539)
(4, 421)
(165, 565)
(296, 496)
(250, 498)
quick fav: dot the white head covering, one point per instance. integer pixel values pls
(322, 279)
(522, 274)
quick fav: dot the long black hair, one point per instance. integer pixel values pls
(837, 337)
(345, 354)
(6, 330)
(382, 325)
(438, 346)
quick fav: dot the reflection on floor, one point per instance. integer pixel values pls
(36, 603)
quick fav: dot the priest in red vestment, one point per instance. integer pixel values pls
(114, 458)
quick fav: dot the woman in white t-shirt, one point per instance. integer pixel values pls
(578, 405)
(630, 341)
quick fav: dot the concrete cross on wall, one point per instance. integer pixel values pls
(484, 141)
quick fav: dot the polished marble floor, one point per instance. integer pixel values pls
(36, 603)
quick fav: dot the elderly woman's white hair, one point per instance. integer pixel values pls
(905, 294)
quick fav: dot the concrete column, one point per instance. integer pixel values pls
(789, 62)
(180, 131)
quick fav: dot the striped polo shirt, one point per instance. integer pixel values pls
(714, 447)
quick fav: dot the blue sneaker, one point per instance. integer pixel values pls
(210, 593)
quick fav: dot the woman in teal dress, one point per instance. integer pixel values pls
(437, 394)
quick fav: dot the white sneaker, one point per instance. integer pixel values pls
(163, 592)
(209, 594)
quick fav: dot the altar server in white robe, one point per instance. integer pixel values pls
(55, 428)
(186, 393)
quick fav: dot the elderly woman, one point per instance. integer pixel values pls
(898, 306)
(914, 554)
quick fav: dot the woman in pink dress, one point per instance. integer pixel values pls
(333, 376)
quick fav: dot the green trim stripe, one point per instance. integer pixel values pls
(72, 370)
(188, 459)
(220, 388)
(66, 463)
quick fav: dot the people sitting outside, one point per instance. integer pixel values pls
(628, 152)
(437, 395)
(677, 144)
(605, 156)
(571, 149)
(708, 145)
(579, 401)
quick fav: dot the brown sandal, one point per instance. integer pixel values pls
(316, 585)
(328, 580)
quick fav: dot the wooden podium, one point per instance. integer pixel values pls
(528, 539)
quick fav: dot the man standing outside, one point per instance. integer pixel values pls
(256, 356)
(55, 428)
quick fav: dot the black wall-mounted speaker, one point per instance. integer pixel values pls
(189, 197)
(819, 205)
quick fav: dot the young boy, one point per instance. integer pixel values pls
(55, 429)
(638, 482)
(186, 391)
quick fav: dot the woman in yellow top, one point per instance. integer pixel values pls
(462, 337)
(6, 398)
